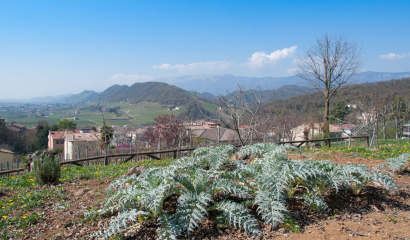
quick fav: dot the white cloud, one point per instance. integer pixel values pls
(164, 66)
(291, 70)
(261, 60)
(393, 56)
(133, 77)
(208, 65)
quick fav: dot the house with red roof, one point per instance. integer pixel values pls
(56, 139)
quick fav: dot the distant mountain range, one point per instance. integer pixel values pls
(209, 86)
(37, 99)
(215, 84)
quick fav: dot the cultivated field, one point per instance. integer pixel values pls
(142, 113)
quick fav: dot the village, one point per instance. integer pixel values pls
(204, 120)
(70, 142)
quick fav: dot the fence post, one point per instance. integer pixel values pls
(17, 166)
(179, 148)
(136, 148)
(217, 136)
(1, 166)
(368, 143)
(175, 154)
(78, 152)
(328, 142)
(7, 163)
(159, 146)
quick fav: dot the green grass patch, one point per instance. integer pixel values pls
(210, 106)
(387, 149)
(20, 195)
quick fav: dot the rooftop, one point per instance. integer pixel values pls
(6, 151)
(89, 137)
(61, 134)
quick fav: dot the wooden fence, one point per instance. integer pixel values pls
(99, 157)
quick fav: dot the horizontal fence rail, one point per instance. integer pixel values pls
(160, 153)
(327, 140)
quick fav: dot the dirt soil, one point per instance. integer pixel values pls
(371, 215)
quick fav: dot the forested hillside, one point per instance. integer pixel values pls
(352, 94)
(283, 92)
(149, 91)
(84, 96)
(162, 93)
(288, 91)
(111, 93)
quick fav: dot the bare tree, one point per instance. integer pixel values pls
(329, 64)
(373, 109)
(243, 111)
(287, 125)
(400, 110)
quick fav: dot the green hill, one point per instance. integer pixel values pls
(111, 93)
(288, 91)
(149, 91)
(82, 97)
(157, 92)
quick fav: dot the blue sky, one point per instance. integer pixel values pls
(60, 47)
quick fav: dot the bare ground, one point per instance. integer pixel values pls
(371, 215)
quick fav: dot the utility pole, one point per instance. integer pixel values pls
(105, 138)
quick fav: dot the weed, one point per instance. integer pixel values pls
(391, 219)
(391, 149)
(290, 224)
(19, 234)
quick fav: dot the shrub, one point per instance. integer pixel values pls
(58, 150)
(47, 171)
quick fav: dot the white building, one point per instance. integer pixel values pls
(75, 142)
